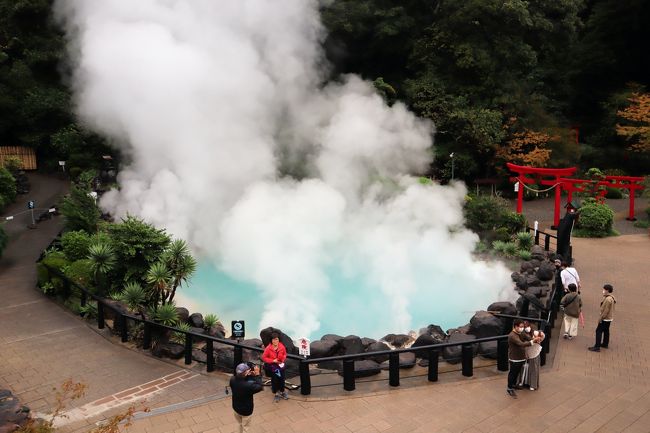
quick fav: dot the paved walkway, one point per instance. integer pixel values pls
(581, 391)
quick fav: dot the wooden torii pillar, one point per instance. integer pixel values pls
(553, 178)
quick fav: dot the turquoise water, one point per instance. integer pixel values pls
(352, 305)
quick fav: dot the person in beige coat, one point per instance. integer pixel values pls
(605, 319)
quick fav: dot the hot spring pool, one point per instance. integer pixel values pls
(351, 305)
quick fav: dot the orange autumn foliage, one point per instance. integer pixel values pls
(526, 148)
(637, 129)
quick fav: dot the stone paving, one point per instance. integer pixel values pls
(580, 391)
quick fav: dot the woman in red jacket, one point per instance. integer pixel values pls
(274, 356)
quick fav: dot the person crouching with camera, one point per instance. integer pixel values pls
(244, 383)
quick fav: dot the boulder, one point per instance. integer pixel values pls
(537, 252)
(265, 335)
(224, 357)
(536, 291)
(532, 280)
(453, 354)
(378, 346)
(197, 331)
(323, 348)
(217, 331)
(406, 360)
(12, 413)
(535, 263)
(333, 337)
(249, 355)
(484, 324)
(526, 267)
(364, 368)
(503, 308)
(365, 341)
(435, 331)
(397, 340)
(196, 320)
(488, 349)
(169, 350)
(425, 340)
(462, 330)
(199, 356)
(183, 314)
(546, 271)
(331, 365)
(351, 345)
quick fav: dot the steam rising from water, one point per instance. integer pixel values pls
(236, 145)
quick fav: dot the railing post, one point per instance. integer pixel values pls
(467, 352)
(238, 356)
(305, 378)
(433, 365)
(537, 237)
(546, 344)
(525, 304)
(209, 348)
(84, 298)
(348, 375)
(547, 242)
(100, 314)
(188, 349)
(393, 369)
(502, 355)
(146, 338)
(124, 331)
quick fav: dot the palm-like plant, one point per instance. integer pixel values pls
(179, 337)
(103, 260)
(159, 277)
(134, 295)
(210, 320)
(166, 314)
(180, 264)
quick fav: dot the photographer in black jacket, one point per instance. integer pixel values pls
(244, 383)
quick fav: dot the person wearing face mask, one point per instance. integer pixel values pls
(571, 304)
(605, 319)
(529, 376)
(518, 340)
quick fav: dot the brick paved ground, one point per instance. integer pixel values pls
(581, 391)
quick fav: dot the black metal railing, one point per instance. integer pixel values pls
(121, 319)
(550, 240)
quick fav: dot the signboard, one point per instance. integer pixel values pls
(237, 328)
(516, 186)
(303, 346)
(30, 204)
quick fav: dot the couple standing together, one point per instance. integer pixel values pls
(524, 348)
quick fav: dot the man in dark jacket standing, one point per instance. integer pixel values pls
(517, 342)
(244, 383)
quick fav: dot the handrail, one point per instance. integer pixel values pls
(433, 350)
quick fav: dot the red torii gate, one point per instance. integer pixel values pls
(558, 178)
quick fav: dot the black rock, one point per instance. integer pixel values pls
(199, 355)
(351, 345)
(323, 348)
(532, 280)
(333, 337)
(484, 324)
(406, 360)
(526, 267)
(224, 357)
(331, 365)
(546, 271)
(425, 340)
(265, 335)
(196, 320)
(169, 350)
(378, 347)
(217, 331)
(453, 354)
(364, 368)
(538, 253)
(435, 331)
(503, 308)
(460, 330)
(12, 413)
(183, 314)
(535, 263)
(488, 349)
(365, 341)
(396, 340)
(536, 291)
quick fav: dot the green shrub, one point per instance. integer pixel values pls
(647, 212)
(42, 275)
(89, 310)
(484, 212)
(179, 337)
(74, 172)
(525, 255)
(510, 249)
(75, 244)
(56, 260)
(512, 221)
(80, 271)
(525, 240)
(134, 295)
(210, 320)
(499, 246)
(7, 185)
(501, 234)
(3, 202)
(4, 239)
(614, 193)
(479, 248)
(166, 314)
(48, 289)
(596, 219)
(642, 224)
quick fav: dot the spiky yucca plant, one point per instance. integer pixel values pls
(210, 320)
(166, 314)
(179, 337)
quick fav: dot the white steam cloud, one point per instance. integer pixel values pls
(235, 145)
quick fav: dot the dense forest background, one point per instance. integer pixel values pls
(542, 82)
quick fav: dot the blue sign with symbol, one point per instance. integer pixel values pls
(30, 204)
